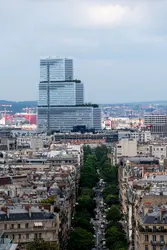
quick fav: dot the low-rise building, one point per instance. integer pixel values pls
(126, 147)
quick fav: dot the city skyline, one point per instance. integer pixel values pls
(118, 47)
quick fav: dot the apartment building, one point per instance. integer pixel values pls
(152, 228)
(6, 243)
(157, 124)
(126, 147)
(24, 224)
(34, 143)
(142, 136)
(29, 179)
(155, 149)
(143, 181)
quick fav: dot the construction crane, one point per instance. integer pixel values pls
(28, 112)
(130, 117)
(5, 109)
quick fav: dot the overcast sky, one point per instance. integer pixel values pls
(119, 47)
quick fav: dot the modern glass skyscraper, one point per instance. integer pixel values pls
(56, 69)
(57, 87)
(61, 93)
(61, 99)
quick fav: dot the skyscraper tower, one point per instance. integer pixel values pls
(61, 99)
(56, 69)
(57, 87)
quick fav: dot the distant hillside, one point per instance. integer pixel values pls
(162, 102)
(17, 107)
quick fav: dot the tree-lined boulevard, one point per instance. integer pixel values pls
(96, 224)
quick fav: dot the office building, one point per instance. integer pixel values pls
(61, 93)
(64, 119)
(61, 99)
(157, 124)
(56, 69)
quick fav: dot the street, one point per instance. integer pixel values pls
(100, 222)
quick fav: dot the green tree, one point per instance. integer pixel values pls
(114, 213)
(85, 203)
(109, 173)
(101, 154)
(41, 245)
(87, 191)
(84, 223)
(89, 176)
(115, 239)
(110, 189)
(111, 199)
(81, 239)
(87, 151)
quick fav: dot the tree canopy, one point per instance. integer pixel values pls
(40, 244)
(81, 239)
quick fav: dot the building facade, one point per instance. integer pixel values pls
(157, 124)
(26, 224)
(60, 93)
(61, 99)
(64, 119)
(126, 147)
(56, 69)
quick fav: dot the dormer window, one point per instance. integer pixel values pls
(155, 220)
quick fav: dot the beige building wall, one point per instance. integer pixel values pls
(127, 147)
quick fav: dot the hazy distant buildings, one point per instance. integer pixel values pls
(61, 99)
(157, 124)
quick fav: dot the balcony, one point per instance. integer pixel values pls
(152, 230)
(32, 229)
(158, 243)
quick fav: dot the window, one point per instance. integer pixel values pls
(18, 226)
(27, 236)
(26, 225)
(12, 226)
(154, 248)
(146, 247)
(35, 236)
(5, 226)
(146, 237)
(19, 236)
(154, 238)
(40, 235)
(13, 236)
(161, 238)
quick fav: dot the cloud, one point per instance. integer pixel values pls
(108, 40)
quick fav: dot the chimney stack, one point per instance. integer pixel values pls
(162, 213)
(28, 208)
(150, 209)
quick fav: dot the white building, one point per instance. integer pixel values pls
(36, 143)
(126, 147)
(140, 136)
(155, 149)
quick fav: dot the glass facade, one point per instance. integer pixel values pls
(60, 97)
(65, 118)
(43, 94)
(56, 69)
(61, 93)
